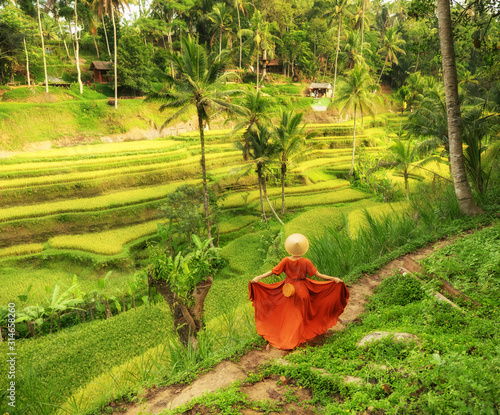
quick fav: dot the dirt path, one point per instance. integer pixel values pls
(224, 374)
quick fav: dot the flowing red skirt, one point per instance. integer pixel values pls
(286, 322)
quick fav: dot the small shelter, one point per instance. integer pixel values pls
(272, 65)
(101, 71)
(320, 90)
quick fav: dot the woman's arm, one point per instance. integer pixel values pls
(327, 277)
(262, 276)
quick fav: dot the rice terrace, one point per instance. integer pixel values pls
(155, 158)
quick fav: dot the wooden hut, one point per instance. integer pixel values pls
(320, 90)
(272, 65)
(101, 71)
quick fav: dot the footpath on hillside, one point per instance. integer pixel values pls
(272, 389)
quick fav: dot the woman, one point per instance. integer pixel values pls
(290, 312)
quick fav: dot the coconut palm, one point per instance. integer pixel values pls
(262, 151)
(256, 109)
(260, 37)
(361, 20)
(198, 83)
(222, 20)
(338, 8)
(43, 47)
(112, 8)
(405, 156)
(391, 46)
(291, 139)
(355, 93)
(239, 5)
(351, 54)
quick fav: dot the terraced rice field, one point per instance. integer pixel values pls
(100, 200)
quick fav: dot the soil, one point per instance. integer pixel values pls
(273, 389)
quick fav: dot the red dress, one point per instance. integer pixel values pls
(286, 322)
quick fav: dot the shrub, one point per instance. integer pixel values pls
(397, 290)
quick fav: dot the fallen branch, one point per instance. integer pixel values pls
(413, 266)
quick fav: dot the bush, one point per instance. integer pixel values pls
(397, 290)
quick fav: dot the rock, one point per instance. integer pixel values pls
(377, 335)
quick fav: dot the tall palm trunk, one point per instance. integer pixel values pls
(95, 43)
(271, 206)
(239, 33)
(353, 143)
(461, 184)
(77, 51)
(204, 173)
(27, 62)
(362, 27)
(283, 175)
(43, 48)
(106, 35)
(258, 55)
(336, 58)
(62, 36)
(383, 68)
(259, 175)
(116, 56)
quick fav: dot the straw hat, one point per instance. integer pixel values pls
(296, 244)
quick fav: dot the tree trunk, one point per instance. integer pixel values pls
(188, 320)
(106, 36)
(283, 175)
(43, 48)
(239, 33)
(461, 184)
(258, 47)
(383, 68)
(27, 62)
(353, 143)
(204, 174)
(96, 47)
(336, 58)
(406, 185)
(362, 27)
(77, 51)
(259, 175)
(116, 56)
(269, 203)
(264, 69)
(62, 36)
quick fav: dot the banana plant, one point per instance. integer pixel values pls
(58, 302)
(33, 316)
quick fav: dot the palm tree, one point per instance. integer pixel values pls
(291, 139)
(239, 5)
(198, 83)
(351, 56)
(391, 46)
(362, 20)
(222, 19)
(77, 51)
(462, 187)
(256, 110)
(262, 150)
(339, 7)
(43, 47)
(260, 37)
(356, 94)
(109, 7)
